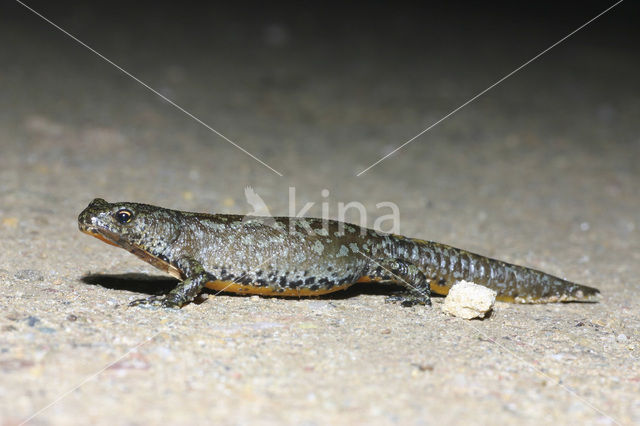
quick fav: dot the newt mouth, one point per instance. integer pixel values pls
(95, 232)
(103, 235)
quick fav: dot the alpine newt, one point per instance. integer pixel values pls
(297, 256)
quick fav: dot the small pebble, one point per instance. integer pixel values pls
(469, 300)
(622, 338)
(29, 275)
(31, 321)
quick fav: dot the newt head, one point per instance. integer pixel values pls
(142, 229)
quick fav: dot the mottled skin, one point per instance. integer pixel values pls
(302, 257)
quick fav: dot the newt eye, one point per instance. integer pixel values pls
(124, 216)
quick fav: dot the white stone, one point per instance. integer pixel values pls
(469, 300)
(622, 338)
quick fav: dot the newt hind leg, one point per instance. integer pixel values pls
(405, 274)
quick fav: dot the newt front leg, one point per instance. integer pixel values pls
(185, 291)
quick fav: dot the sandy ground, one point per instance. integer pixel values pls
(542, 171)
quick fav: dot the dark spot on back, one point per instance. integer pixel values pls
(245, 280)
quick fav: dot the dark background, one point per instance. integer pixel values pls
(379, 40)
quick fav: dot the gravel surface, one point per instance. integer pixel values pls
(543, 170)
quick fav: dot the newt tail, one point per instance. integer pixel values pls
(512, 283)
(294, 257)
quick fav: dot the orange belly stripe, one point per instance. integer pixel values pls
(232, 287)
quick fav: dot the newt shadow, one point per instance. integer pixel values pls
(160, 284)
(134, 282)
